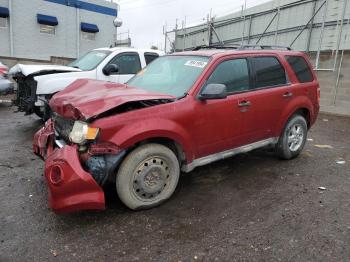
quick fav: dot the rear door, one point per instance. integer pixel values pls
(262, 105)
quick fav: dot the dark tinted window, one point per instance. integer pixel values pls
(268, 72)
(128, 63)
(149, 57)
(300, 68)
(233, 73)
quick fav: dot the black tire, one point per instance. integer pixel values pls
(38, 112)
(148, 176)
(286, 149)
(47, 113)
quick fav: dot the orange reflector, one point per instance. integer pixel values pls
(91, 133)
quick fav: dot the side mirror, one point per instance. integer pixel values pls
(213, 91)
(109, 69)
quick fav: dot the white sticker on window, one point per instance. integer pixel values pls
(194, 63)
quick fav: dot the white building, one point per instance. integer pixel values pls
(41, 29)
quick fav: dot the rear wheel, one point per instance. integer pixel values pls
(148, 176)
(293, 138)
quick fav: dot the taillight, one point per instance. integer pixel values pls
(318, 95)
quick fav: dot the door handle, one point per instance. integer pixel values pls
(244, 103)
(287, 94)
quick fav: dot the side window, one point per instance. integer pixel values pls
(268, 72)
(233, 73)
(128, 63)
(300, 68)
(149, 57)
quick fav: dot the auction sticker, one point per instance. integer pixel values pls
(194, 63)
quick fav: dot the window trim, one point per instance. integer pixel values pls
(124, 53)
(150, 53)
(250, 58)
(222, 61)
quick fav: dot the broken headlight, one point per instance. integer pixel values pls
(81, 133)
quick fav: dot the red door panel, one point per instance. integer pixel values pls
(217, 125)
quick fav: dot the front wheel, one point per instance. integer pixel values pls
(293, 138)
(148, 176)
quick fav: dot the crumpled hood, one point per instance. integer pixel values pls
(87, 98)
(37, 69)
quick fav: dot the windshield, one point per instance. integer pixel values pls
(90, 60)
(171, 75)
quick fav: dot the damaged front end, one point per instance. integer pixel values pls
(26, 99)
(75, 174)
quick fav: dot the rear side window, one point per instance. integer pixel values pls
(232, 73)
(149, 57)
(300, 68)
(268, 72)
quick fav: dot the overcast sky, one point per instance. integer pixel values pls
(145, 18)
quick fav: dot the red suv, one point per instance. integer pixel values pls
(182, 111)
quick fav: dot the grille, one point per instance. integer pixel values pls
(26, 94)
(63, 126)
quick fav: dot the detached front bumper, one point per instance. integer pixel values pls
(71, 188)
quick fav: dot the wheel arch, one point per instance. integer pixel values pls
(299, 106)
(161, 131)
(169, 143)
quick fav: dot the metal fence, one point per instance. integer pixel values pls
(309, 25)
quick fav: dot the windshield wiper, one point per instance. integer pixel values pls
(183, 96)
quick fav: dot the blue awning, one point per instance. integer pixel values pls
(91, 28)
(4, 12)
(47, 20)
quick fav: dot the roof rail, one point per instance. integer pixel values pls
(272, 47)
(242, 47)
(215, 47)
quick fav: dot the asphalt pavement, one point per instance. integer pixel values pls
(251, 207)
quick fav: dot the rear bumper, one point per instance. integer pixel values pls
(70, 187)
(75, 189)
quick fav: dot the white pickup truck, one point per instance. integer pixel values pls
(36, 84)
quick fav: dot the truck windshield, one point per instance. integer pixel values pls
(90, 60)
(171, 75)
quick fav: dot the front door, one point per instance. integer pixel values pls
(218, 123)
(128, 63)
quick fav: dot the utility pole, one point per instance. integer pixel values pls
(165, 36)
(184, 34)
(243, 14)
(278, 20)
(210, 27)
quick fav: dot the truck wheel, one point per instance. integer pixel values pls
(293, 138)
(148, 176)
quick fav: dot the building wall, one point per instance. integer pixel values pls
(28, 42)
(335, 85)
(288, 22)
